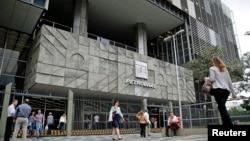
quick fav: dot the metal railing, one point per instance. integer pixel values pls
(89, 35)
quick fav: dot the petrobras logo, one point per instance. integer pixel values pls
(141, 70)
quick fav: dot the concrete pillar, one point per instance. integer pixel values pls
(4, 113)
(70, 113)
(144, 104)
(170, 106)
(141, 38)
(81, 17)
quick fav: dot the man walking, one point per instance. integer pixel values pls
(22, 114)
(10, 119)
(148, 122)
(39, 118)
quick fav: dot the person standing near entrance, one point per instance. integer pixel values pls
(155, 122)
(10, 119)
(62, 122)
(116, 113)
(32, 124)
(148, 122)
(96, 121)
(39, 118)
(22, 114)
(152, 120)
(50, 122)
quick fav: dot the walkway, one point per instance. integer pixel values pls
(126, 137)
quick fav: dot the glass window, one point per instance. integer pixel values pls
(187, 58)
(28, 1)
(40, 3)
(13, 67)
(11, 54)
(1, 52)
(133, 108)
(9, 66)
(6, 79)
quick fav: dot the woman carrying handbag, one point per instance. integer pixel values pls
(221, 87)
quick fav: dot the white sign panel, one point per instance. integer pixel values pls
(141, 69)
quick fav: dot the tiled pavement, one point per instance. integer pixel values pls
(126, 137)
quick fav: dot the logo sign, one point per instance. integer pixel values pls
(141, 70)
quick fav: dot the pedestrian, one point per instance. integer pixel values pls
(148, 122)
(87, 122)
(10, 120)
(62, 122)
(152, 120)
(22, 114)
(221, 87)
(50, 123)
(116, 113)
(39, 118)
(96, 121)
(32, 124)
(155, 122)
(143, 121)
(173, 123)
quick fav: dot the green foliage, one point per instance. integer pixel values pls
(245, 84)
(246, 104)
(236, 112)
(201, 64)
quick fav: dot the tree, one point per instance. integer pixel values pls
(246, 104)
(244, 85)
(200, 65)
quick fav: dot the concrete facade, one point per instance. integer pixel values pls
(61, 58)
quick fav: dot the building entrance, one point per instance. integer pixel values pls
(55, 105)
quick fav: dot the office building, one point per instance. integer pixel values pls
(79, 56)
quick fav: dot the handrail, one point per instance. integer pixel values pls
(55, 23)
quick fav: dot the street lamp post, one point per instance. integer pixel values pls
(176, 68)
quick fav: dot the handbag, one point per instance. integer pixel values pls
(207, 87)
(46, 127)
(110, 117)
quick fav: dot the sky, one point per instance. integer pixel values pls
(241, 13)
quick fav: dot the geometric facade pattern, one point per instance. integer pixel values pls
(211, 25)
(61, 58)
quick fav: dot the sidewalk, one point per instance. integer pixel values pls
(126, 137)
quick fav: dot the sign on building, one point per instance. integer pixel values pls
(141, 70)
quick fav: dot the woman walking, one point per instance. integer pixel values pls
(62, 122)
(116, 113)
(222, 86)
(143, 122)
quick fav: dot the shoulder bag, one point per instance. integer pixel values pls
(207, 87)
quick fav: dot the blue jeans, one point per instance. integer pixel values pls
(31, 128)
(39, 127)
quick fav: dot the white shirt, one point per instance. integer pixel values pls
(96, 118)
(147, 117)
(11, 110)
(172, 120)
(62, 119)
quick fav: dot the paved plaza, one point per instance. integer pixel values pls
(126, 137)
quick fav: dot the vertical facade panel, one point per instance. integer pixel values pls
(177, 3)
(191, 8)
